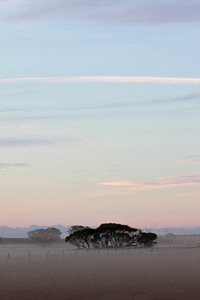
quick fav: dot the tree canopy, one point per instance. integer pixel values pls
(110, 235)
(74, 228)
(44, 236)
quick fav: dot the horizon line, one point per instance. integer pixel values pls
(17, 227)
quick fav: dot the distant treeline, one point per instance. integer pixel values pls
(107, 235)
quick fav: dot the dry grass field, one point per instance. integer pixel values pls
(60, 272)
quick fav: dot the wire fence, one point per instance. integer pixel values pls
(45, 254)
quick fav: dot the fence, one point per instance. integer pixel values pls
(45, 254)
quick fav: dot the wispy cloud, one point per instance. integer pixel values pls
(3, 175)
(26, 126)
(103, 79)
(192, 159)
(189, 194)
(7, 165)
(190, 96)
(112, 11)
(26, 142)
(86, 110)
(165, 182)
(41, 177)
(185, 98)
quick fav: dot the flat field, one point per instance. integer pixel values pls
(59, 272)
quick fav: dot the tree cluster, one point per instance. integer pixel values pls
(110, 235)
(44, 236)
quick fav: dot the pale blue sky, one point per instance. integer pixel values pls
(93, 152)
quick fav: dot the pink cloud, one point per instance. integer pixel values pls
(169, 181)
(3, 174)
(129, 183)
(191, 159)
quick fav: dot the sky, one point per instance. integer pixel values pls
(99, 104)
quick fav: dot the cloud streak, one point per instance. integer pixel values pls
(6, 165)
(191, 159)
(170, 181)
(103, 79)
(109, 11)
(26, 142)
(189, 194)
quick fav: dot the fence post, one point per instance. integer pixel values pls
(47, 255)
(8, 257)
(29, 257)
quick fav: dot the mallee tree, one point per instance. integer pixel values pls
(110, 235)
(44, 236)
